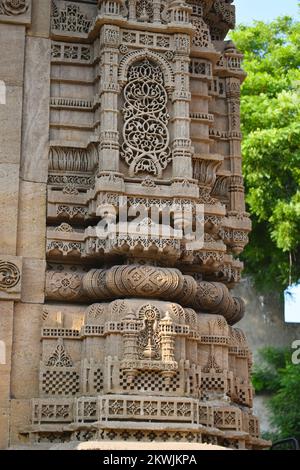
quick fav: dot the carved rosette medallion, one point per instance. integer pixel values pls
(9, 275)
(65, 285)
(13, 7)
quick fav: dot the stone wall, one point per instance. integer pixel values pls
(264, 323)
(24, 38)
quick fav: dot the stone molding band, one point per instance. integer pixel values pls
(147, 282)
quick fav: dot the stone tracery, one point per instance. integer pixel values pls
(145, 132)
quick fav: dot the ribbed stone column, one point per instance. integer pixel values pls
(236, 188)
(109, 91)
(182, 150)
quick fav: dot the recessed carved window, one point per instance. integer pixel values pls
(145, 131)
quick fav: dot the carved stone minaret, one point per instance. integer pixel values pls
(140, 118)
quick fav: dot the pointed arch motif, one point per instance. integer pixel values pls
(146, 139)
(136, 56)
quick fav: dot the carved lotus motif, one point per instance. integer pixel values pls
(14, 7)
(66, 284)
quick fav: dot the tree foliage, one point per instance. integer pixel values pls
(270, 106)
(276, 374)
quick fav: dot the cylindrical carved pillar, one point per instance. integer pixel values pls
(182, 150)
(109, 91)
(236, 188)
(132, 10)
(156, 11)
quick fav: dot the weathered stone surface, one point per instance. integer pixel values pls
(4, 427)
(20, 415)
(40, 23)
(6, 331)
(35, 139)
(11, 121)
(33, 286)
(12, 54)
(26, 350)
(32, 218)
(9, 196)
(6, 335)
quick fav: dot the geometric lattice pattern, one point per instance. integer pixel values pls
(60, 382)
(150, 382)
(151, 436)
(213, 382)
(98, 380)
(243, 396)
(226, 419)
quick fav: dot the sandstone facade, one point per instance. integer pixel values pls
(109, 332)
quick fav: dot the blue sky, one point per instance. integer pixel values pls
(292, 304)
(266, 10)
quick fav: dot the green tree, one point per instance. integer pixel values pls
(270, 105)
(275, 374)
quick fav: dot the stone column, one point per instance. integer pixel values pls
(182, 150)
(156, 11)
(109, 91)
(236, 189)
(168, 334)
(130, 344)
(132, 10)
(167, 339)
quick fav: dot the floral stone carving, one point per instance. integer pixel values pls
(59, 357)
(69, 19)
(9, 275)
(145, 132)
(13, 7)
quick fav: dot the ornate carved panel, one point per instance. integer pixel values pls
(69, 18)
(145, 131)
